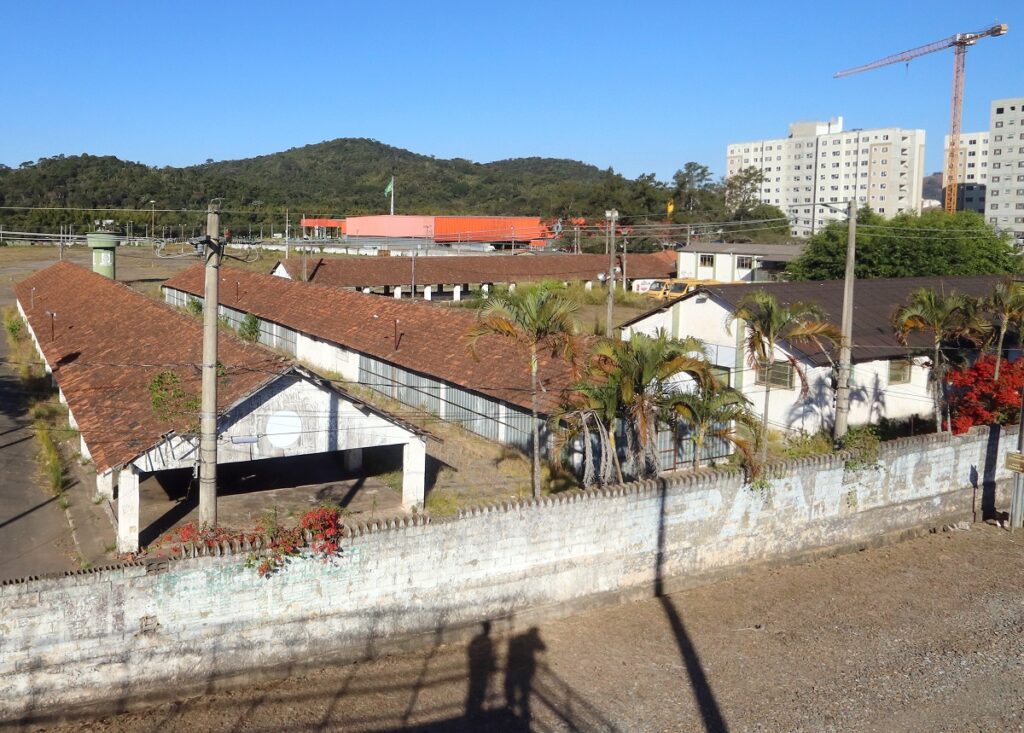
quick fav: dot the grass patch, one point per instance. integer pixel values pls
(442, 503)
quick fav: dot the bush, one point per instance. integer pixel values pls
(977, 399)
(193, 306)
(250, 328)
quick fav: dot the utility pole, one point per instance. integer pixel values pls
(208, 411)
(286, 234)
(611, 216)
(843, 386)
(412, 293)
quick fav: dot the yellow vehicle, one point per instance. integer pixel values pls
(673, 288)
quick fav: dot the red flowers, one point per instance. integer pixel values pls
(977, 399)
(282, 542)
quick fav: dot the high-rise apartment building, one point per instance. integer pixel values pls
(813, 173)
(972, 171)
(1005, 195)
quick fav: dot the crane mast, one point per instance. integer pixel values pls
(959, 43)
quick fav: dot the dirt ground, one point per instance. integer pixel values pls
(922, 635)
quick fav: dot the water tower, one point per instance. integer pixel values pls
(104, 253)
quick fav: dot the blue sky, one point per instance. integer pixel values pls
(643, 87)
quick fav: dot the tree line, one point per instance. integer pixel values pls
(347, 177)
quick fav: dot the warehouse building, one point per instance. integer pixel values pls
(128, 370)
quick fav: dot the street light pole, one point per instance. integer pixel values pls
(611, 216)
(843, 385)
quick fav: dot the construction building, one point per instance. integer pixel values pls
(819, 167)
(972, 171)
(1005, 195)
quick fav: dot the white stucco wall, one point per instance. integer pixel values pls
(326, 356)
(289, 417)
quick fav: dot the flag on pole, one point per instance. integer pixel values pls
(390, 187)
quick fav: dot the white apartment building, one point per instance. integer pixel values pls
(1005, 195)
(820, 163)
(972, 170)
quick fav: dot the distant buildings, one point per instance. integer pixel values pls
(819, 165)
(1005, 195)
(972, 171)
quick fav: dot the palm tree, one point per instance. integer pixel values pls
(643, 373)
(1007, 305)
(539, 318)
(769, 322)
(945, 317)
(588, 411)
(721, 414)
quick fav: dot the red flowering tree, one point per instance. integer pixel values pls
(976, 398)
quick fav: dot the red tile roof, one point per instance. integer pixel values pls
(432, 337)
(372, 272)
(108, 344)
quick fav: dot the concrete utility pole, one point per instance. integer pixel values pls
(208, 411)
(611, 216)
(843, 386)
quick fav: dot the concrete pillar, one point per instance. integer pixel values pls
(486, 289)
(398, 292)
(128, 510)
(588, 285)
(353, 459)
(83, 448)
(511, 287)
(457, 293)
(366, 290)
(414, 472)
(105, 485)
(426, 291)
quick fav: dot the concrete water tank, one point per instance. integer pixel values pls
(104, 253)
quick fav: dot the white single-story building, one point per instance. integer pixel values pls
(127, 369)
(888, 380)
(733, 263)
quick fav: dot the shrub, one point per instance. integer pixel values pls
(193, 306)
(250, 328)
(977, 399)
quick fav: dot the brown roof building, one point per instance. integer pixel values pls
(105, 344)
(418, 337)
(374, 272)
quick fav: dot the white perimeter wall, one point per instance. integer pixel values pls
(168, 628)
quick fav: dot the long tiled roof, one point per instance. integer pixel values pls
(371, 272)
(431, 339)
(874, 303)
(108, 344)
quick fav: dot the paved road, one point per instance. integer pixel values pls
(35, 537)
(926, 635)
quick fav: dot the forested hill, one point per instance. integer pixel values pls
(339, 177)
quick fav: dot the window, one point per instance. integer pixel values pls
(745, 262)
(779, 374)
(899, 371)
(707, 260)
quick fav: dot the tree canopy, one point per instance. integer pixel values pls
(934, 243)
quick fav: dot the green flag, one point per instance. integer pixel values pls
(390, 187)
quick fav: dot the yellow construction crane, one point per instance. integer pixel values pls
(960, 43)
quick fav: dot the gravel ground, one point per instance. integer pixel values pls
(923, 635)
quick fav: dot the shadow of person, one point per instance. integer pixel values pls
(481, 662)
(520, 668)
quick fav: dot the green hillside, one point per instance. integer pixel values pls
(339, 177)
